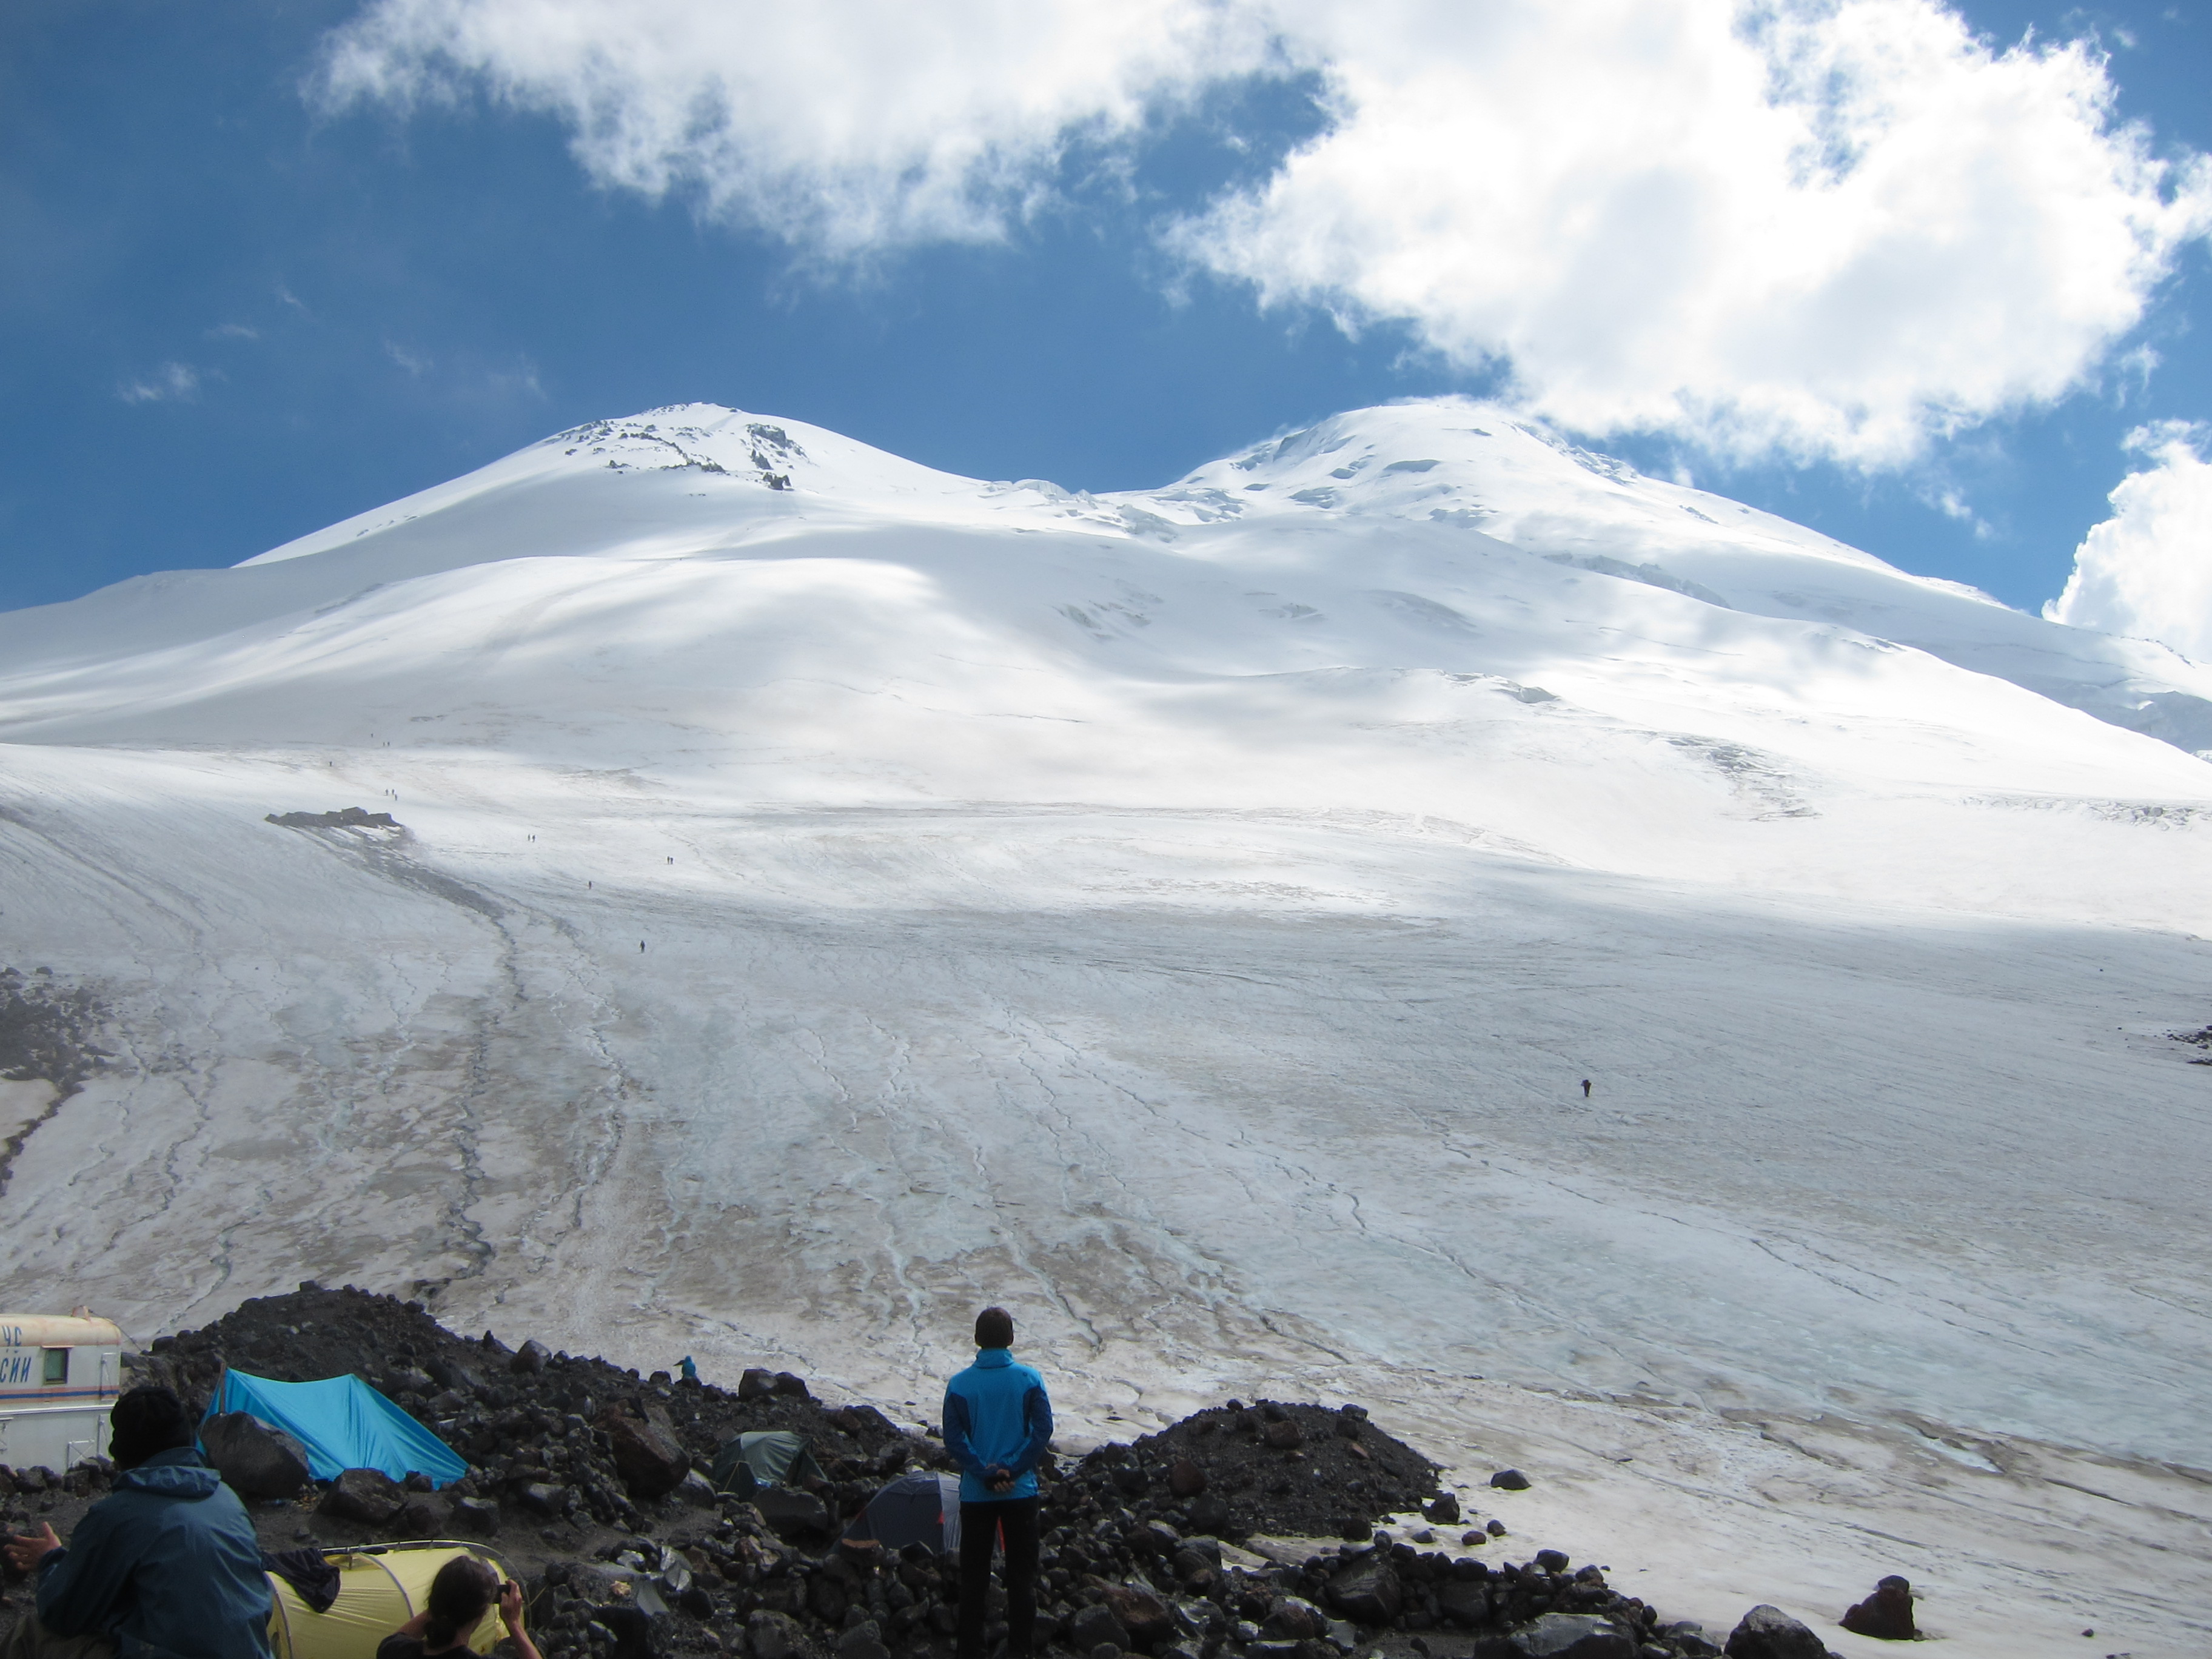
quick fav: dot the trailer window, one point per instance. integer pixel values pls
(57, 1364)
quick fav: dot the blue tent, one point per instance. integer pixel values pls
(344, 1424)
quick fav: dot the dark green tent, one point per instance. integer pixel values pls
(766, 1457)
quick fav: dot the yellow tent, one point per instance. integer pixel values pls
(381, 1587)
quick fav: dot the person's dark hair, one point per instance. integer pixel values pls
(464, 1588)
(146, 1421)
(994, 1329)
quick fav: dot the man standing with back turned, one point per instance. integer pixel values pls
(998, 1425)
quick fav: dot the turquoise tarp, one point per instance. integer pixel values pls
(344, 1424)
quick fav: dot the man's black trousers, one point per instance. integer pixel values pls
(980, 1527)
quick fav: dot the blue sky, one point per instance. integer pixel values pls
(233, 309)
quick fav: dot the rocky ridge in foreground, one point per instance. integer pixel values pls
(590, 1479)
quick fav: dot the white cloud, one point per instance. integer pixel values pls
(171, 383)
(413, 362)
(2147, 570)
(1815, 226)
(845, 126)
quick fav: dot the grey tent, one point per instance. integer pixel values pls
(767, 1457)
(921, 1508)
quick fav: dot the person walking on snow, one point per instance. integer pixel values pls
(998, 1426)
(1585, 1088)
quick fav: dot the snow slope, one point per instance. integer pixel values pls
(1188, 915)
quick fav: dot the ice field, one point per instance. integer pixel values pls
(1186, 916)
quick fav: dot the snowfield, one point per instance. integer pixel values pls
(828, 894)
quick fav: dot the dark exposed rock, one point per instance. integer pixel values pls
(1142, 1613)
(648, 1456)
(368, 1496)
(1367, 1589)
(1095, 1628)
(475, 1517)
(1887, 1615)
(529, 1360)
(1767, 1633)
(1294, 1618)
(1283, 1436)
(1561, 1636)
(1509, 1481)
(793, 1516)
(1442, 1508)
(1186, 1479)
(255, 1459)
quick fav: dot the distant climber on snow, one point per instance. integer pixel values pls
(1585, 1088)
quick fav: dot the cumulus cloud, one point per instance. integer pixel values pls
(1827, 228)
(2148, 569)
(171, 383)
(845, 126)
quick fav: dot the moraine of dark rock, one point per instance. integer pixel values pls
(588, 1479)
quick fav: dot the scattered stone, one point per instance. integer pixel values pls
(1140, 1612)
(475, 1517)
(1295, 1619)
(1560, 1636)
(1367, 1590)
(1887, 1615)
(793, 1516)
(368, 1496)
(647, 1456)
(530, 1359)
(755, 1384)
(1186, 1479)
(1095, 1628)
(255, 1459)
(1442, 1508)
(772, 1635)
(1283, 1436)
(1767, 1633)
(1509, 1481)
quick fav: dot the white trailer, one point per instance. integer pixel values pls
(59, 1379)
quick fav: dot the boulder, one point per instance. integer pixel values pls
(1509, 1481)
(475, 1517)
(1887, 1615)
(649, 1459)
(1366, 1589)
(1442, 1508)
(1770, 1633)
(543, 1496)
(1283, 1436)
(1186, 1480)
(1211, 1514)
(255, 1459)
(428, 1517)
(1465, 1601)
(755, 1383)
(449, 1371)
(772, 1635)
(1140, 1612)
(1294, 1620)
(1560, 1636)
(1095, 1628)
(863, 1641)
(792, 1515)
(787, 1384)
(529, 1360)
(368, 1496)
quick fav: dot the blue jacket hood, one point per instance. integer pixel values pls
(181, 1473)
(992, 1358)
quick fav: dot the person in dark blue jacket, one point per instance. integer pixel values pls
(998, 1426)
(166, 1566)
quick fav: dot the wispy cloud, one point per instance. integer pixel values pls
(285, 297)
(171, 383)
(414, 362)
(232, 332)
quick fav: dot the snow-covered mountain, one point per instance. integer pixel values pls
(824, 891)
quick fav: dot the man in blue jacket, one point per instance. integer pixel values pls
(166, 1566)
(998, 1426)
